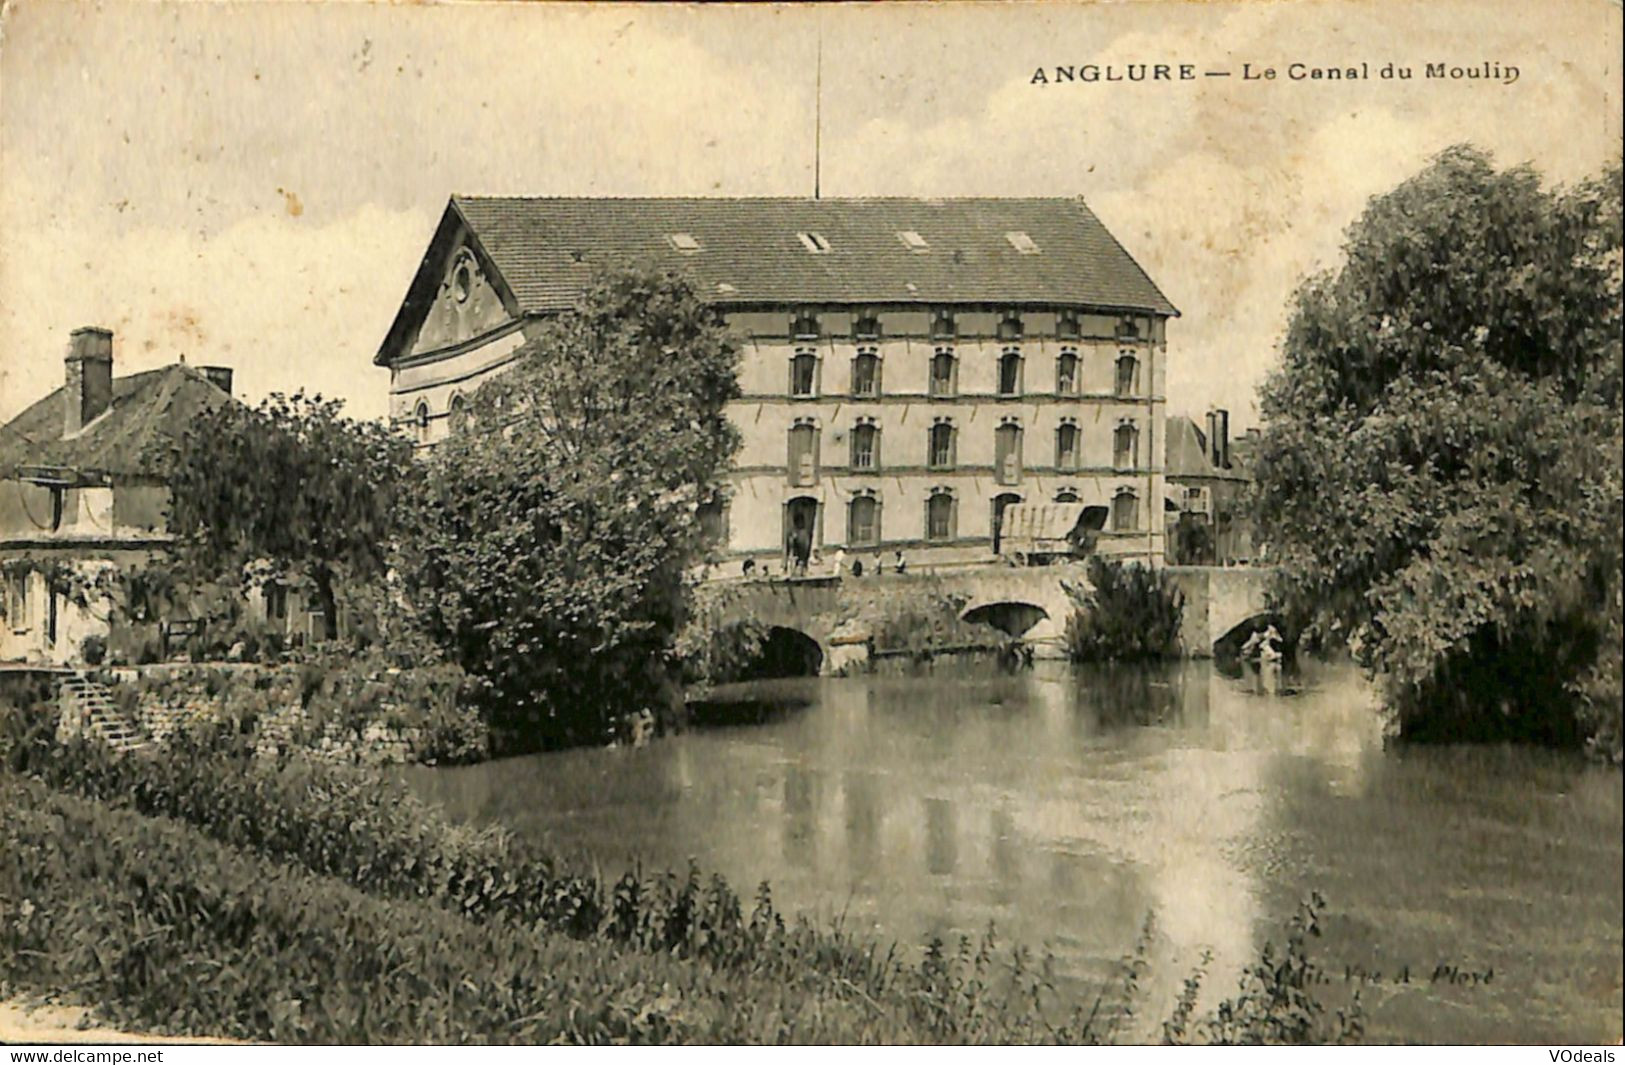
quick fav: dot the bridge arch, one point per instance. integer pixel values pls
(1229, 644)
(786, 652)
(1011, 617)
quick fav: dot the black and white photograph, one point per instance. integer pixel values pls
(863, 524)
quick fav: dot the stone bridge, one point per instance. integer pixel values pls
(834, 613)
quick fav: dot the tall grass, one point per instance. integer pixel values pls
(205, 860)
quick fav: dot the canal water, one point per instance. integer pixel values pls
(1473, 893)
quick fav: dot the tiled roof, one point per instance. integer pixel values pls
(146, 407)
(1187, 453)
(750, 251)
(1187, 450)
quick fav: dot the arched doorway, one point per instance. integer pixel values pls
(800, 531)
(1001, 502)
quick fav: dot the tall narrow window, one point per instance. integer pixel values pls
(1066, 373)
(942, 446)
(276, 601)
(17, 600)
(1127, 371)
(1066, 446)
(459, 413)
(863, 520)
(420, 422)
(1007, 454)
(865, 446)
(58, 499)
(1010, 372)
(1125, 512)
(803, 461)
(1126, 446)
(804, 374)
(939, 516)
(944, 371)
(866, 373)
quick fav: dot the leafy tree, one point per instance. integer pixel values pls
(1439, 476)
(547, 546)
(292, 487)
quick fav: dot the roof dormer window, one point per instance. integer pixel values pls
(913, 241)
(813, 242)
(1020, 241)
(684, 242)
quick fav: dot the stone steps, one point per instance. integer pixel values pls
(88, 709)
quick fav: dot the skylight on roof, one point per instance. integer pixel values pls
(1020, 241)
(814, 242)
(684, 242)
(912, 240)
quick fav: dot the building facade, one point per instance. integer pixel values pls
(1208, 484)
(910, 369)
(83, 500)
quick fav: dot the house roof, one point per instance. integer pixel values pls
(765, 251)
(148, 407)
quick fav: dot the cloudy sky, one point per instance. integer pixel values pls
(253, 184)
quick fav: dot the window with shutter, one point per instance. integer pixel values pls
(1127, 370)
(865, 446)
(866, 373)
(1126, 447)
(1066, 373)
(939, 516)
(1066, 447)
(942, 446)
(804, 374)
(863, 521)
(803, 454)
(943, 372)
(1007, 454)
(1125, 512)
(1010, 372)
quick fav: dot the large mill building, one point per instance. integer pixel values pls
(910, 368)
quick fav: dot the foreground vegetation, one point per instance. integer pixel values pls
(209, 893)
(1129, 613)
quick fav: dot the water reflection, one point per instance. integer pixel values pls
(1064, 806)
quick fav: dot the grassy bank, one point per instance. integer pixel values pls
(341, 909)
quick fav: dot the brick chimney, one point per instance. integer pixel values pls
(1213, 438)
(89, 389)
(219, 376)
(1224, 439)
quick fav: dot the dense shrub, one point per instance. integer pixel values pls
(1130, 613)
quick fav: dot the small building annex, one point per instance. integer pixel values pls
(81, 495)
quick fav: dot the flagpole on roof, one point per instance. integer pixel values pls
(818, 115)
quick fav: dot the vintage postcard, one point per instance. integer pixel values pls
(1008, 523)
